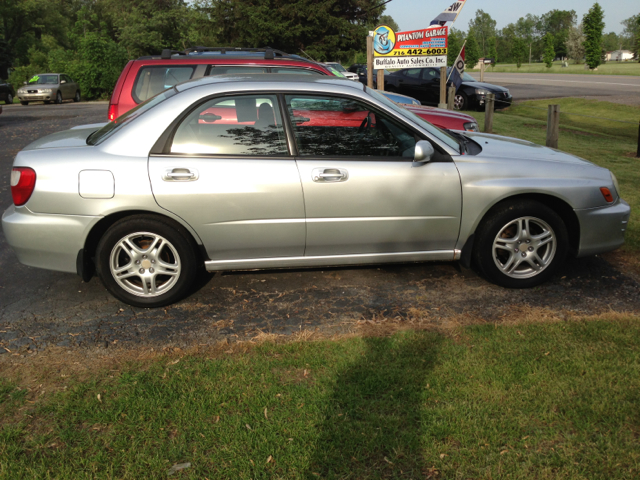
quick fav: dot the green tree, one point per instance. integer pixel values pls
(484, 28)
(527, 29)
(575, 44)
(389, 21)
(593, 24)
(519, 50)
(492, 49)
(456, 40)
(558, 23)
(472, 50)
(549, 52)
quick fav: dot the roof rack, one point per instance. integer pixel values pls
(269, 53)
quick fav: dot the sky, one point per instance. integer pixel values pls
(407, 16)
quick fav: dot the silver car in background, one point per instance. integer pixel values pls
(271, 171)
(49, 87)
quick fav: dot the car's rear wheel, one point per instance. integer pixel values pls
(23, 103)
(9, 99)
(76, 98)
(146, 261)
(520, 245)
(58, 98)
(460, 101)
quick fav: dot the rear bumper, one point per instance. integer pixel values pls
(46, 241)
(602, 229)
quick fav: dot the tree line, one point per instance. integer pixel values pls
(555, 34)
(91, 40)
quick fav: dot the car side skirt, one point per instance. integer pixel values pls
(332, 260)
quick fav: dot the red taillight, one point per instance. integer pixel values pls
(113, 112)
(606, 193)
(23, 181)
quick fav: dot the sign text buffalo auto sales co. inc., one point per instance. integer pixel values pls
(419, 48)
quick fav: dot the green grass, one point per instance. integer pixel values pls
(605, 142)
(530, 401)
(609, 68)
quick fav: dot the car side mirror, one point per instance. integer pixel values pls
(24, 83)
(422, 153)
(63, 81)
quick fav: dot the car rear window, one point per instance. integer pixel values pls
(154, 79)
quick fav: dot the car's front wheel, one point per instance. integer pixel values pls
(460, 101)
(520, 244)
(23, 103)
(58, 98)
(9, 99)
(146, 262)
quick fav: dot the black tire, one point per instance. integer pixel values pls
(23, 103)
(517, 246)
(9, 99)
(175, 247)
(76, 98)
(460, 101)
(47, 102)
(58, 98)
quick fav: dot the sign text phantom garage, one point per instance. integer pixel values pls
(418, 48)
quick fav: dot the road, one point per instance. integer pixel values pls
(40, 308)
(527, 86)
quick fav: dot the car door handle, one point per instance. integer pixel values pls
(180, 175)
(329, 175)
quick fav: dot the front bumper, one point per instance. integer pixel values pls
(46, 241)
(35, 97)
(602, 229)
(501, 101)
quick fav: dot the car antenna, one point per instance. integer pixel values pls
(306, 54)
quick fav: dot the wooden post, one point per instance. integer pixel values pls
(482, 71)
(370, 61)
(451, 97)
(443, 88)
(380, 80)
(489, 104)
(553, 126)
(638, 154)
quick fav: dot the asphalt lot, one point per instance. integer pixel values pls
(40, 308)
(530, 86)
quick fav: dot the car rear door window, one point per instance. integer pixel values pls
(154, 79)
(298, 71)
(248, 125)
(413, 73)
(343, 127)
(222, 70)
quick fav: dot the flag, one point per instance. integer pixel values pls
(450, 14)
(457, 71)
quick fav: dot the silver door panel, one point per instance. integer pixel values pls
(383, 207)
(239, 208)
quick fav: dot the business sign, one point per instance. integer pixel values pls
(418, 48)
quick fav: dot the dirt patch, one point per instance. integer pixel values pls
(293, 376)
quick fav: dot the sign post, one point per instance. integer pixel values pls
(443, 88)
(370, 61)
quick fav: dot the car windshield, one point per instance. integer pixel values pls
(44, 80)
(441, 135)
(465, 76)
(335, 72)
(338, 67)
(111, 127)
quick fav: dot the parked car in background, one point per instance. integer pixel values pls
(424, 84)
(362, 76)
(7, 93)
(270, 171)
(147, 76)
(49, 87)
(347, 74)
(438, 116)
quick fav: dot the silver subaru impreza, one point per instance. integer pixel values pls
(273, 171)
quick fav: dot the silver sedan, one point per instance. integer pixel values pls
(253, 171)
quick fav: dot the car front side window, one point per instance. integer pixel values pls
(247, 125)
(329, 126)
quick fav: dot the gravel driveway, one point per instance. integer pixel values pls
(39, 308)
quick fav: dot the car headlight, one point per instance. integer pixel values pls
(615, 183)
(482, 91)
(471, 127)
(45, 90)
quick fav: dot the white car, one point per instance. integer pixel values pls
(343, 71)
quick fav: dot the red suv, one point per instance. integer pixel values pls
(147, 76)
